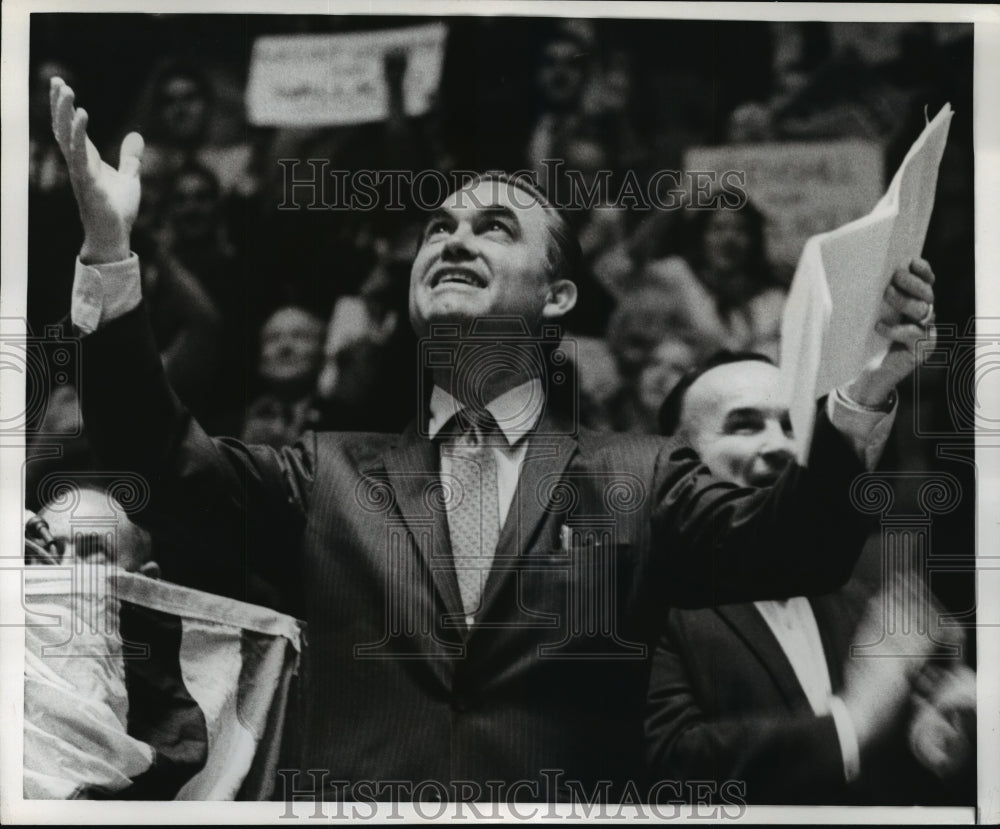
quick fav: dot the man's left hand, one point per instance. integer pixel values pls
(906, 318)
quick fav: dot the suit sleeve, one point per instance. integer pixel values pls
(225, 504)
(778, 756)
(717, 543)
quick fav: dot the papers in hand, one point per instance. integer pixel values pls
(828, 329)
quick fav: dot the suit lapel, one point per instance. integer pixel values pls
(547, 457)
(413, 470)
(749, 625)
(835, 619)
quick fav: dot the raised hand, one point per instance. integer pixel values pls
(108, 199)
(906, 318)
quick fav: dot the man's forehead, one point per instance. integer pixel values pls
(492, 193)
(81, 505)
(745, 384)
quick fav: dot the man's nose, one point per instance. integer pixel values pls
(778, 447)
(459, 244)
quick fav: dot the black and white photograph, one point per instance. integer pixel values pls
(499, 413)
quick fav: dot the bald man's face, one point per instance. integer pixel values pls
(733, 418)
(97, 529)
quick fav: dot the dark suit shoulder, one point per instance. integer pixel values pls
(365, 448)
(624, 444)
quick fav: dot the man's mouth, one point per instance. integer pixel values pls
(457, 276)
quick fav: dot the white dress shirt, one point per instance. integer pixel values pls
(793, 624)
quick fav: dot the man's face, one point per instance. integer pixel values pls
(291, 346)
(484, 253)
(183, 108)
(734, 420)
(193, 207)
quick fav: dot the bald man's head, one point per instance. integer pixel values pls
(91, 525)
(734, 418)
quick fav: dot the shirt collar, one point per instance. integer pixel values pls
(516, 411)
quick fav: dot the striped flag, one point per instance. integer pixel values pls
(142, 689)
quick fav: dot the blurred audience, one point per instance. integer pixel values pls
(291, 351)
(179, 132)
(644, 319)
(722, 287)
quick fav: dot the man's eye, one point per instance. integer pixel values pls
(744, 427)
(497, 225)
(436, 227)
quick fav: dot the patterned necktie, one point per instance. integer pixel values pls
(473, 512)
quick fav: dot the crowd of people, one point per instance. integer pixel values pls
(238, 286)
(273, 322)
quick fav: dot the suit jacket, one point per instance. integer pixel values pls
(725, 704)
(549, 685)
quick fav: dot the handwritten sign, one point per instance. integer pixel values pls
(801, 188)
(330, 80)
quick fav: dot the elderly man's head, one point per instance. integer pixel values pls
(494, 248)
(90, 525)
(732, 415)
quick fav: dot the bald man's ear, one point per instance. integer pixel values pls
(560, 299)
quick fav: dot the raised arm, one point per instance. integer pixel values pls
(218, 496)
(727, 544)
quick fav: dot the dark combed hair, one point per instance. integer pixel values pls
(673, 403)
(564, 254)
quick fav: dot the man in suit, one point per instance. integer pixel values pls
(759, 693)
(482, 589)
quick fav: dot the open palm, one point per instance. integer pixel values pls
(108, 199)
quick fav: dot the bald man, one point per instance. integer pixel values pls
(763, 693)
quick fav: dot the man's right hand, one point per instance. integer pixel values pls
(108, 199)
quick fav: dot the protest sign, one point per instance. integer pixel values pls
(801, 188)
(331, 80)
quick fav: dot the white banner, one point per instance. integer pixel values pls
(329, 80)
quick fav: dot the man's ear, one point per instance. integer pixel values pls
(560, 299)
(150, 569)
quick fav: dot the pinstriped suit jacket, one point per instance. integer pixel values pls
(548, 687)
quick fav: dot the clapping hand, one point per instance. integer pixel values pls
(943, 726)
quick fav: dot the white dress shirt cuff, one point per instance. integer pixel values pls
(850, 751)
(867, 429)
(104, 292)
